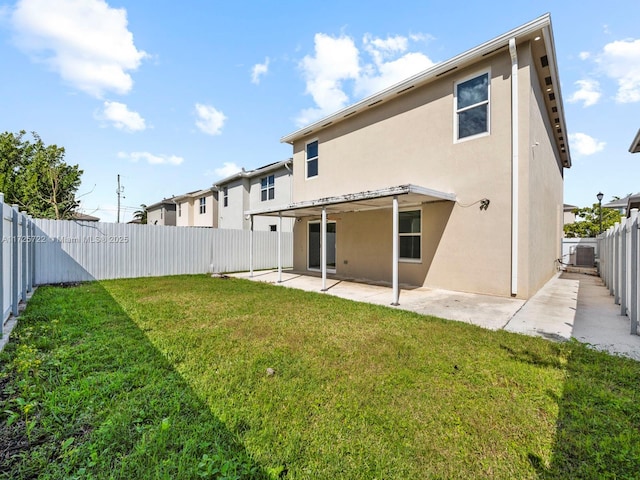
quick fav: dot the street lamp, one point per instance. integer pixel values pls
(600, 196)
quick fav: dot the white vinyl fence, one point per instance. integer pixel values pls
(16, 259)
(74, 251)
(619, 266)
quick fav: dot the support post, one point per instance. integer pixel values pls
(395, 251)
(15, 287)
(323, 248)
(251, 246)
(279, 247)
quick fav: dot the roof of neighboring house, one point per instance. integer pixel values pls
(84, 217)
(254, 173)
(634, 202)
(635, 145)
(538, 28)
(620, 203)
(568, 208)
(166, 201)
(135, 220)
(194, 194)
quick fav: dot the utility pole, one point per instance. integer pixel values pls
(119, 191)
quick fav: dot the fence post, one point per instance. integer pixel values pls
(635, 247)
(23, 253)
(14, 261)
(2, 278)
(622, 290)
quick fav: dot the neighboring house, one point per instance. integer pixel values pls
(162, 213)
(83, 217)
(569, 216)
(197, 209)
(265, 187)
(450, 179)
(635, 145)
(620, 205)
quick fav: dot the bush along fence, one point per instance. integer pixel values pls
(16, 260)
(619, 265)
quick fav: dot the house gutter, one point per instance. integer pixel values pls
(514, 167)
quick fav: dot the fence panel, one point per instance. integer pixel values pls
(72, 251)
(620, 267)
(16, 260)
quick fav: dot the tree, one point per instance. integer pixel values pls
(588, 223)
(141, 214)
(35, 176)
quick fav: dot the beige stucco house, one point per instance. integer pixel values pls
(197, 209)
(162, 213)
(265, 187)
(450, 179)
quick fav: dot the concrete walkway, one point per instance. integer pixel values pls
(570, 305)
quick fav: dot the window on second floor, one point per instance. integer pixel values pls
(472, 107)
(179, 209)
(225, 197)
(312, 159)
(268, 188)
(203, 205)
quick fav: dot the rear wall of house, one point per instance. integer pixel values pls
(410, 140)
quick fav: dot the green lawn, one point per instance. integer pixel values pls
(167, 378)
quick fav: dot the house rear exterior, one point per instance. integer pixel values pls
(464, 160)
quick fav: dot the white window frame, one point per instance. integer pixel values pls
(417, 208)
(180, 209)
(271, 186)
(486, 102)
(202, 203)
(306, 160)
(225, 196)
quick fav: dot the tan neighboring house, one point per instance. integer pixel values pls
(569, 216)
(265, 187)
(162, 213)
(450, 179)
(197, 209)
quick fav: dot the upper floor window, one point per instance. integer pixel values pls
(472, 107)
(268, 188)
(203, 205)
(410, 226)
(179, 209)
(225, 197)
(312, 159)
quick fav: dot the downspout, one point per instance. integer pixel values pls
(514, 167)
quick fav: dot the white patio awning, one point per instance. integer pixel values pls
(357, 202)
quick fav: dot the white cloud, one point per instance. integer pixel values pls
(259, 70)
(620, 60)
(334, 61)
(583, 144)
(584, 55)
(227, 169)
(85, 41)
(337, 64)
(210, 120)
(151, 159)
(588, 92)
(123, 118)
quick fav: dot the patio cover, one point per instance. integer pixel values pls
(390, 197)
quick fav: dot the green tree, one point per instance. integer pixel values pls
(141, 214)
(587, 223)
(35, 176)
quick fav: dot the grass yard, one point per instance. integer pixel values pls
(167, 378)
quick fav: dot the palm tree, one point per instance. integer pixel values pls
(141, 214)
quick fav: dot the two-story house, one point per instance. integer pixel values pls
(197, 209)
(450, 179)
(162, 213)
(265, 187)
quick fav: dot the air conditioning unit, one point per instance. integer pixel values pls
(585, 256)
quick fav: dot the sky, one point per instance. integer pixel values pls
(174, 96)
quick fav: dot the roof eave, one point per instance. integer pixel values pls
(635, 146)
(424, 77)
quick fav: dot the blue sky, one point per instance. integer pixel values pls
(174, 96)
